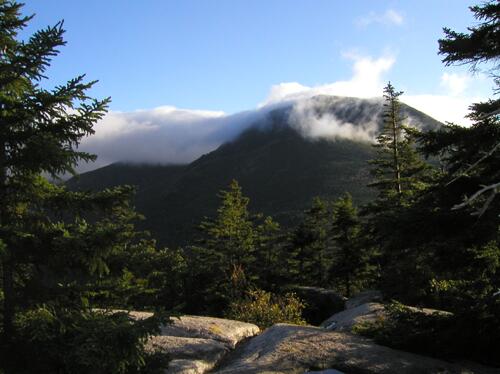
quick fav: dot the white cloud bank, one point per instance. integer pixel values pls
(450, 106)
(305, 119)
(171, 135)
(165, 135)
(455, 83)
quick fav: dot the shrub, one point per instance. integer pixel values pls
(438, 334)
(91, 342)
(265, 309)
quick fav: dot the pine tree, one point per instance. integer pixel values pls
(226, 251)
(400, 177)
(269, 255)
(350, 260)
(308, 246)
(55, 245)
(471, 157)
(480, 45)
(397, 167)
(448, 238)
(472, 154)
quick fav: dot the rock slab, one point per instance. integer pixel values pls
(297, 349)
(226, 331)
(196, 344)
(345, 320)
(369, 296)
(369, 312)
(189, 355)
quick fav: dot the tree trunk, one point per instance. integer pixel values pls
(7, 264)
(8, 304)
(395, 134)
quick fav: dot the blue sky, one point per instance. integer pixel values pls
(226, 54)
(214, 58)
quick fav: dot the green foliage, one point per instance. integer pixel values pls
(63, 341)
(397, 168)
(409, 329)
(144, 278)
(464, 252)
(227, 249)
(320, 303)
(269, 255)
(265, 309)
(308, 247)
(439, 252)
(232, 231)
(401, 178)
(351, 267)
(327, 248)
(439, 334)
(69, 342)
(58, 247)
(232, 254)
(480, 44)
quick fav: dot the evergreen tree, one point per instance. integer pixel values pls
(478, 46)
(472, 154)
(469, 269)
(236, 252)
(55, 245)
(400, 177)
(397, 167)
(226, 251)
(269, 255)
(308, 246)
(350, 260)
(450, 246)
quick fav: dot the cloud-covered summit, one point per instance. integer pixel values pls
(169, 135)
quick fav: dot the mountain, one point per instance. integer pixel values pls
(279, 169)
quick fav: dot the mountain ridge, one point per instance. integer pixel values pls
(279, 168)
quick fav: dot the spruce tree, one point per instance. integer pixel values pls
(465, 200)
(449, 237)
(308, 246)
(269, 255)
(400, 176)
(480, 45)
(351, 268)
(236, 251)
(397, 166)
(225, 252)
(56, 246)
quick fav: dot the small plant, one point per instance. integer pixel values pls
(411, 330)
(265, 309)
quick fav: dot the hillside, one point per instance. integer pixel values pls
(279, 170)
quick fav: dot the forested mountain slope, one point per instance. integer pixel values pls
(278, 166)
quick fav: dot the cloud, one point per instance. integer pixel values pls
(453, 101)
(169, 135)
(166, 135)
(454, 83)
(444, 108)
(366, 81)
(312, 123)
(450, 104)
(388, 18)
(162, 134)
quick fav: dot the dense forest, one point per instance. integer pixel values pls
(73, 263)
